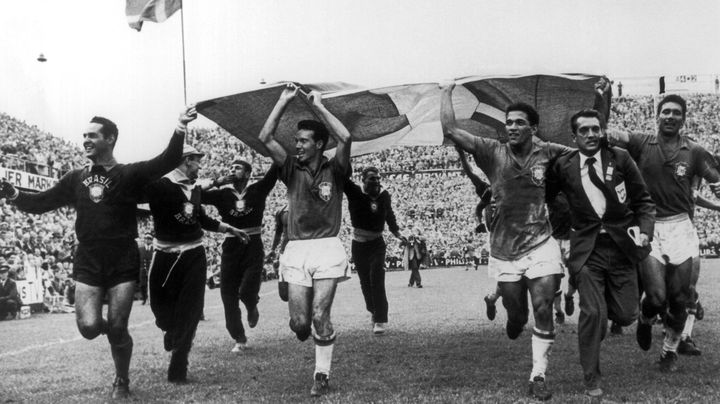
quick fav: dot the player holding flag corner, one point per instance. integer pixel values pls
(105, 195)
(315, 191)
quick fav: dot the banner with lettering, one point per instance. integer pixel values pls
(27, 181)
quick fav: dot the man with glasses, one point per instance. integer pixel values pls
(241, 264)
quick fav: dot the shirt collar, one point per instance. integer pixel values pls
(107, 167)
(684, 141)
(597, 156)
(178, 177)
(323, 160)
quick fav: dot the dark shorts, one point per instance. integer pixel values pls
(107, 263)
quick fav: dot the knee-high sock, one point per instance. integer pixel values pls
(542, 342)
(672, 340)
(323, 353)
(121, 354)
(689, 323)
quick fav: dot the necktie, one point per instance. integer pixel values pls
(590, 162)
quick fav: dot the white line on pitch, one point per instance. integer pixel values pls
(79, 338)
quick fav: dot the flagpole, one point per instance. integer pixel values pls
(182, 30)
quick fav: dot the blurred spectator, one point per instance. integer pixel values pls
(9, 298)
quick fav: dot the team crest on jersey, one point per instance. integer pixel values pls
(240, 209)
(96, 191)
(537, 174)
(681, 170)
(97, 185)
(188, 209)
(373, 206)
(186, 216)
(324, 191)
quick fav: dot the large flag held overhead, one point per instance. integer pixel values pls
(138, 11)
(408, 114)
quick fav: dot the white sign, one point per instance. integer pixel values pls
(31, 292)
(25, 180)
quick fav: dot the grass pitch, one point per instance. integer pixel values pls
(439, 347)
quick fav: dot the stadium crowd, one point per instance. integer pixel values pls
(27, 148)
(429, 192)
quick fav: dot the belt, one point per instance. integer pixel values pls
(251, 231)
(363, 235)
(680, 217)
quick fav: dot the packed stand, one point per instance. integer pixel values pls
(429, 192)
(27, 148)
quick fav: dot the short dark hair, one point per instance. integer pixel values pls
(533, 117)
(243, 163)
(587, 113)
(320, 132)
(108, 127)
(673, 98)
(368, 170)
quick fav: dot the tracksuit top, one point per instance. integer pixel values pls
(246, 209)
(370, 213)
(105, 200)
(175, 218)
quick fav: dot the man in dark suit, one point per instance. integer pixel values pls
(607, 195)
(146, 254)
(9, 297)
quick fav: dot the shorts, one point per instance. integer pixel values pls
(305, 260)
(545, 260)
(107, 263)
(675, 238)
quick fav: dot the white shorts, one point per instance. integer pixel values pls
(675, 238)
(543, 261)
(305, 260)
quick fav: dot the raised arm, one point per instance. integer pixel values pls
(171, 157)
(474, 178)
(267, 134)
(603, 97)
(336, 128)
(450, 128)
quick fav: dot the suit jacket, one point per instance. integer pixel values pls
(630, 205)
(9, 291)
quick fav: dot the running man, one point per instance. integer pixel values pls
(669, 161)
(523, 255)
(241, 264)
(105, 195)
(315, 190)
(370, 208)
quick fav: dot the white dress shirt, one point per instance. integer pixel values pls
(594, 194)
